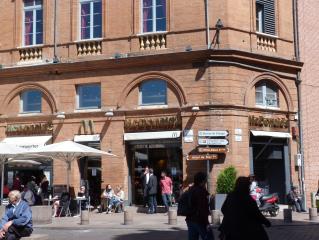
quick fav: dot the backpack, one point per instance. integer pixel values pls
(184, 207)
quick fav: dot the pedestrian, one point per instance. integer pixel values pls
(242, 218)
(17, 219)
(294, 198)
(144, 179)
(16, 183)
(166, 190)
(28, 196)
(151, 192)
(197, 221)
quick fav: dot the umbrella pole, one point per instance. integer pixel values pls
(68, 176)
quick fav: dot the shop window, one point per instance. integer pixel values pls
(90, 19)
(89, 96)
(31, 101)
(265, 17)
(33, 22)
(153, 92)
(153, 16)
(267, 95)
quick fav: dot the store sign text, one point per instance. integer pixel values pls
(147, 124)
(268, 122)
(29, 129)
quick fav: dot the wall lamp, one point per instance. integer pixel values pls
(109, 113)
(60, 115)
(195, 109)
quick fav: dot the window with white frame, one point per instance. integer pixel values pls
(266, 16)
(259, 17)
(33, 22)
(153, 16)
(90, 19)
(153, 92)
(267, 95)
(89, 96)
(30, 101)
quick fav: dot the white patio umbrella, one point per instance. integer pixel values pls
(7, 151)
(68, 151)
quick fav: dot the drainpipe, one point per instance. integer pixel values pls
(298, 83)
(207, 24)
(55, 57)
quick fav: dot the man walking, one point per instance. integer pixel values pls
(197, 221)
(145, 177)
(166, 190)
(151, 192)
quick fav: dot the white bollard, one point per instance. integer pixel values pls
(128, 217)
(85, 217)
(313, 214)
(172, 217)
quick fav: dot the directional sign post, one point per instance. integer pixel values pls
(216, 142)
(212, 149)
(223, 133)
(203, 157)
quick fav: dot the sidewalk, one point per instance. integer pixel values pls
(149, 221)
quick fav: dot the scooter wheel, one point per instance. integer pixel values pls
(274, 213)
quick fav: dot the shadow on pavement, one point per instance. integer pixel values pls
(173, 234)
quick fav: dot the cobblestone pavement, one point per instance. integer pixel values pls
(155, 227)
(301, 232)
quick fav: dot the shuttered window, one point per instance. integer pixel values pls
(265, 16)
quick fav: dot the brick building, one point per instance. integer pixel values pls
(152, 81)
(308, 36)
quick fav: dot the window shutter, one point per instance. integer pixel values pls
(269, 16)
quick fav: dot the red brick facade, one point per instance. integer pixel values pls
(221, 81)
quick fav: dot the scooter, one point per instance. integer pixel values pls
(267, 204)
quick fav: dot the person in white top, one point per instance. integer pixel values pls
(145, 179)
(106, 199)
(118, 199)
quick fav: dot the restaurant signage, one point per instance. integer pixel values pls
(149, 124)
(268, 122)
(29, 129)
(216, 142)
(202, 157)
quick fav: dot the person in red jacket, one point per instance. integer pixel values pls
(166, 190)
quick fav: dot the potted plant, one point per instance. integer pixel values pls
(225, 184)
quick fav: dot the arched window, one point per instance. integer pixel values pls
(267, 95)
(153, 92)
(30, 101)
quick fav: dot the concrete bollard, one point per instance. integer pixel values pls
(215, 217)
(128, 217)
(172, 217)
(313, 214)
(288, 215)
(85, 217)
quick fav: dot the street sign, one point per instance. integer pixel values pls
(222, 133)
(212, 150)
(202, 157)
(216, 142)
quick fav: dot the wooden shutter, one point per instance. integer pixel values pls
(269, 16)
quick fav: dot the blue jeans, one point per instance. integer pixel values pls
(195, 230)
(166, 200)
(152, 204)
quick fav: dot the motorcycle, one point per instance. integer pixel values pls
(267, 203)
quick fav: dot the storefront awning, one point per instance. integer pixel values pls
(87, 138)
(151, 135)
(28, 143)
(271, 134)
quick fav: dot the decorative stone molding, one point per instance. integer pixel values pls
(25, 86)
(153, 41)
(153, 75)
(273, 78)
(89, 48)
(266, 42)
(30, 54)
